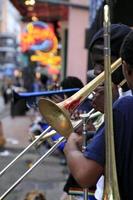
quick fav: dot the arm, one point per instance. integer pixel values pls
(84, 170)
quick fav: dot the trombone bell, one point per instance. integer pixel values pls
(57, 116)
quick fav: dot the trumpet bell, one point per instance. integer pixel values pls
(55, 115)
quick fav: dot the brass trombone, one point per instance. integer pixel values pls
(48, 153)
(92, 115)
(25, 95)
(111, 190)
(58, 117)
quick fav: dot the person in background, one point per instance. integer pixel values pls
(6, 90)
(69, 82)
(71, 187)
(44, 80)
(74, 82)
(93, 159)
(40, 83)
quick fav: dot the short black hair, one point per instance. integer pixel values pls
(126, 51)
(44, 79)
(71, 82)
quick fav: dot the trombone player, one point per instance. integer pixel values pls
(88, 168)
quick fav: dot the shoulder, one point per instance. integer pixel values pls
(124, 101)
(96, 148)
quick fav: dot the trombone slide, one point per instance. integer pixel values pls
(33, 166)
(26, 149)
(111, 190)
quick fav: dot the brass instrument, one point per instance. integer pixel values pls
(92, 115)
(58, 117)
(84, 145)
(111, 191)
(48, 153)
(22, 153)
(26, 96)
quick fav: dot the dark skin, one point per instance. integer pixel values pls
(85, 171)
(128, 73)
(98, 97)
(98, 63)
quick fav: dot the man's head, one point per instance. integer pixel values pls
(118, 33)
(126, 54)
(71, 82)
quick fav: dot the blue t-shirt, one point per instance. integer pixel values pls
(123, 134)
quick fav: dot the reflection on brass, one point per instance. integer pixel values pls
(111, 190)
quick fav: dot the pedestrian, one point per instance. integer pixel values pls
(71, 188)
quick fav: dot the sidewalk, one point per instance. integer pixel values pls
(49, 176)
(16, 131)
(2, 106)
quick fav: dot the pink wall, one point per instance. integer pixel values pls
(77, 54)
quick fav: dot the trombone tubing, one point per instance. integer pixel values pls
(51, 150)
(26, 149)
(94, 83)
(61, 123)
(48, 153)
(111, 190)
(76, 125)
(44, 135)
(87, 89)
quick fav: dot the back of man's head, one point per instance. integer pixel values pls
(127, 49)
(71, 82)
